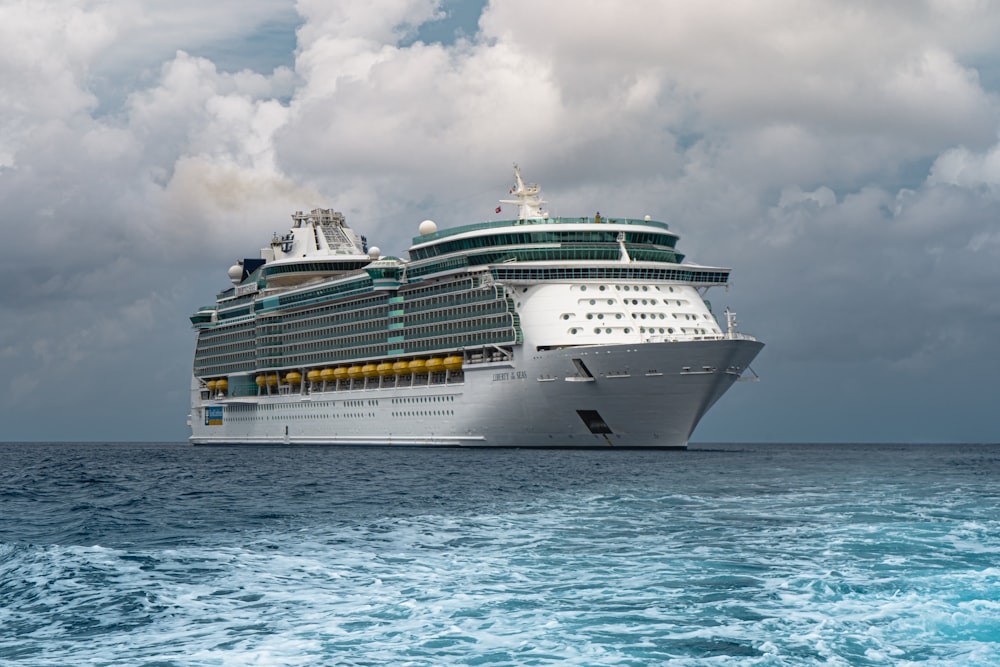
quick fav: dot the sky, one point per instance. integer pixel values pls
(842, 157)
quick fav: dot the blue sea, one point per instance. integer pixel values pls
(162, 555)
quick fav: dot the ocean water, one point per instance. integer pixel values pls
(165, 554)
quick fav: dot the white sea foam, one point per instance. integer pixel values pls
(625, 574)
(429, 589)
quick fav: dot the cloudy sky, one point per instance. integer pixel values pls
(842, 157)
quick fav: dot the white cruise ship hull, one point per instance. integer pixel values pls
(643, 395)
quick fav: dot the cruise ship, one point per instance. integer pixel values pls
(535, 331)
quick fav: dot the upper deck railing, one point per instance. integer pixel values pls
(499, 224)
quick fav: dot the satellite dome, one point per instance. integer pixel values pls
(374, 252)
(236, 274)
(428, 227)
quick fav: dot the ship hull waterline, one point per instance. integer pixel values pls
(630, 396)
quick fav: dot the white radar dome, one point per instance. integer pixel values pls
(235, 273)
(428, 227)
(374, 252)
(647, 218)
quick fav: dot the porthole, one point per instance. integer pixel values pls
(601, 316)
(618, 316)
(607, 331)
(573, 331)
(592, 302)
(602, 288)
(627, 330)
(583, 288)
(597, 330)
(611, 302)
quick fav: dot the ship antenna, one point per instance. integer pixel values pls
(730, 323)
(527, 198)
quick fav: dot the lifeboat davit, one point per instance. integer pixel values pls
(453, 363)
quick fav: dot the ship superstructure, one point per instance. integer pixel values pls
(533, 331)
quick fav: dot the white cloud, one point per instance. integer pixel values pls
(842, 156)
(968, 169)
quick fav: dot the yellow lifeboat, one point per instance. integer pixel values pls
(400, 368)
(211, 385)
(222, 384)
(272, 380)
(369, 370)
(453, 363)
(418, 366)
(384, 369)
(260, 380)
(327, 375)
(340, 373)
(435, 364)
(354, 372)
(293, 378)
(314, 376)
